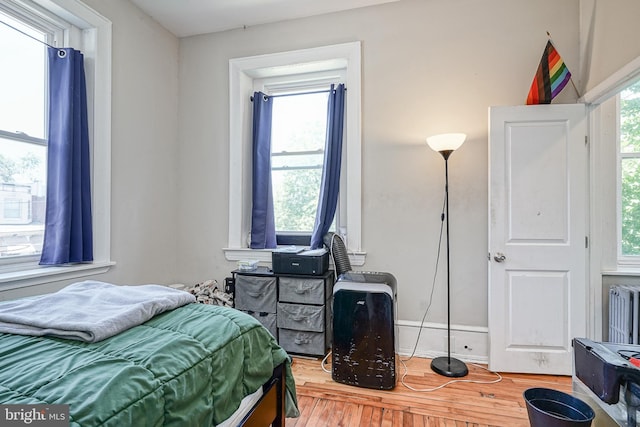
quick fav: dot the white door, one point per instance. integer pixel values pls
(537, 236)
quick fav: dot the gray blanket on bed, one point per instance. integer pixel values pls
(89, 311)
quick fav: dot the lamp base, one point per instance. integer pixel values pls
(449, 367)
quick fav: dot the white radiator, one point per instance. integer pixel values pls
(624, 312)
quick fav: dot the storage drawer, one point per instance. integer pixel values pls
(305, 291)
(301, 317)
(254, 293)
(302, 341)
(268, 320)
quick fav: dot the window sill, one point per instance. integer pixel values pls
(264, 255)
(39, 275)
(626, 270)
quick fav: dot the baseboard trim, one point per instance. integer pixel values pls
(468, 343)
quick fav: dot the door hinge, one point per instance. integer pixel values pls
(586, 140)
(586, 242)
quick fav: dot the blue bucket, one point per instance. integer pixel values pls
(553, 408)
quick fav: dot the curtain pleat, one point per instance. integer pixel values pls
(68, 236)
(263, 228)
(330, 184)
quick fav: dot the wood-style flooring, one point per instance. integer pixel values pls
(323, 402)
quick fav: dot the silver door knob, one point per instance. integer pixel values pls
(499, 257)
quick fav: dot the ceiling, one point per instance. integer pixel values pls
(190, 17)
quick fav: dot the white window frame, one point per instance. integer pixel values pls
(88, 31)
(242, 73)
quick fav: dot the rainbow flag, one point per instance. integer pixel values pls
(552, 76)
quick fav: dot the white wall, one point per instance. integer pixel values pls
(610, 35)
(428, 67)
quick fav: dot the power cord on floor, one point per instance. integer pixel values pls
(325, 361)
(406, 371)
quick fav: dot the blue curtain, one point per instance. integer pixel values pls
(68, 236)
(330, 184)
(263, 228)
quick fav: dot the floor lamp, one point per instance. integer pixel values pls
(446, 144)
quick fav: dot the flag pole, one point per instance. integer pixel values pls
(570, 78)
(574, 87)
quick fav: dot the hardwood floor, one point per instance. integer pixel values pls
(323, 402)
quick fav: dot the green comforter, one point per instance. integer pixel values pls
(187, 367)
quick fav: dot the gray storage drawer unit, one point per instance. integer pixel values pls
(303, 290)
(295, 308)
(257, 295)
(303, 342)
(301, 317)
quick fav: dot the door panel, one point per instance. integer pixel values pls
(529, 290)
(537, 202)
(537, 192)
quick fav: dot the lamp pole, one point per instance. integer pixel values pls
(446, 198)
(448, 366)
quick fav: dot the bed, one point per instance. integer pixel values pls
(189, 366)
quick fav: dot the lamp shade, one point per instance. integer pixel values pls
(446, 141)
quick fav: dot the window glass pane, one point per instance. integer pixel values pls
(297, 144)
(630, 119)
(23, 164)
(22, 80)
(299, 122)
(630, 206)
(295, 194)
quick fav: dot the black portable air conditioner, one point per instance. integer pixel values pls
(364, 331)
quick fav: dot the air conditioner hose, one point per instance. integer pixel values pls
(338, 251)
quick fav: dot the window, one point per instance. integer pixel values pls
(23, 145)
(23, 115)
(298, 135)
(290, 71)
(629, 167)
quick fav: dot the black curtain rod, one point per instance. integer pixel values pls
(28, 35)
(294, 94)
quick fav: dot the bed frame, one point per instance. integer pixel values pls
(269, 410)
